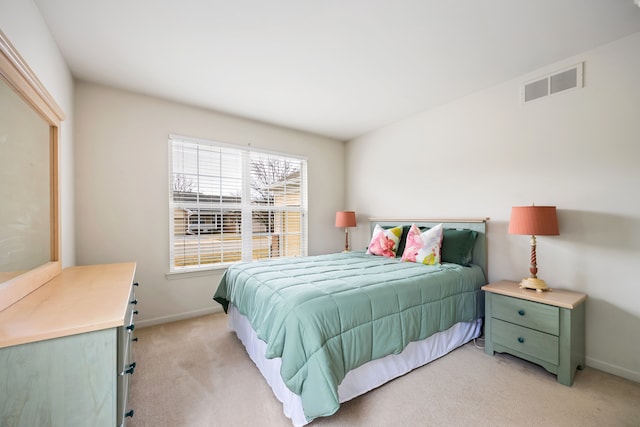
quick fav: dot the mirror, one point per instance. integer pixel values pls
(24, 185)
(29, 131)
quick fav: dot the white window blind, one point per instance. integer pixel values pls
(229, 203)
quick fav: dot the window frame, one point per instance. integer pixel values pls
(245, 206)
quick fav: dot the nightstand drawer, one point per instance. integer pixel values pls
(527, 341)
(542, 317)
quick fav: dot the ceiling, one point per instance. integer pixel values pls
(338, 68)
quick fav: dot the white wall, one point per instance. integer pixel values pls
(483, 154)
(122, 188)
(21, 22)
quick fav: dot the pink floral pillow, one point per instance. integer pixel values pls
(423, 247)
(384, 242)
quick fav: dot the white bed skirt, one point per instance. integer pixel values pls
(360, 380)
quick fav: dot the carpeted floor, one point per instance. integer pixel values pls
(196, 373)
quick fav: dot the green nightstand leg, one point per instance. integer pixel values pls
(571, 344)
(488, 342)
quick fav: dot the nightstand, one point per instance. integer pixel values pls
(546, 328)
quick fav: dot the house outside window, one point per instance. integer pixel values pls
(230, 203)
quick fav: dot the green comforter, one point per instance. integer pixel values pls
(325, 315)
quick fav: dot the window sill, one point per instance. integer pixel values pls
(173, 275)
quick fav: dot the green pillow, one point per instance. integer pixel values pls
(403, 240)
(457, 246)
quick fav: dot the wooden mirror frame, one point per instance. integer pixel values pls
(16, 73)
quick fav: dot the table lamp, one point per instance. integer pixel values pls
(534, 221)
(346, 219)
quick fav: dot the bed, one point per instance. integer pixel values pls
(325, 329)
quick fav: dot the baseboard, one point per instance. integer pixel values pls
(176, 317)
(613, 369)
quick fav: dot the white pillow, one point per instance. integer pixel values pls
(423, 247)
(384, 242)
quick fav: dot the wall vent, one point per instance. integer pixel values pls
(551, 84)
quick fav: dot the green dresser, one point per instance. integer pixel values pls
(65, 350)
(546, 328)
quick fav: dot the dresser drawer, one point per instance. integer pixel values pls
(527, 341)
(126, 365)
(125, 334)
(542, 317)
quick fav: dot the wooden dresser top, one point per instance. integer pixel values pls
(80, 299)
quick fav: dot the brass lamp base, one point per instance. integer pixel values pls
(533, 283)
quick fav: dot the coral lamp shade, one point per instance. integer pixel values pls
(534, 221)
(345, 219)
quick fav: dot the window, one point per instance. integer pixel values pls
(229, 203)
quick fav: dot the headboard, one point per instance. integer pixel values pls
(476, 224)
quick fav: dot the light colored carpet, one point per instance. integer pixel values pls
(196, 373)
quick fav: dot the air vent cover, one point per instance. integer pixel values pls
(560, 81)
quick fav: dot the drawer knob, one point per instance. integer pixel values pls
(136, 284)
(520, 340)
(129, 414)
(130, 369)
(134, 339)
(131, 327)
(521, 312)
(134, 302)
(135, 312)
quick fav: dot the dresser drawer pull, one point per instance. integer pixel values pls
(129, 414)
(136, 284)
(135, 312)
(131, 327)
(520, 340)
(134, 302)
(130, 369)
(134, 339)
(521, 312)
